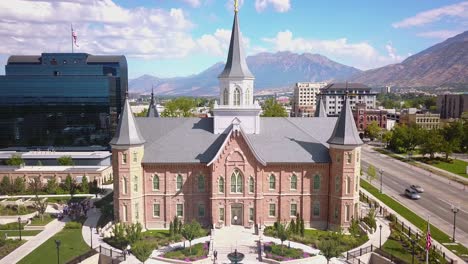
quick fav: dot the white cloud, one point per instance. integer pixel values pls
(426, 17)
(217, 44)
(361, 54)
(193, 3)
(440, 34)
(279, 5)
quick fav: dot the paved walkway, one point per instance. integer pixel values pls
(50, 230)
(448, 253)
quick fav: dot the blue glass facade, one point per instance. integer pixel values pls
(61, 99)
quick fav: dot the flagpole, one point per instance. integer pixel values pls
(71, 35)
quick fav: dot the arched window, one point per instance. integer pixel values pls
(221, 185)
(251, 185)
(124, 187)
(348, 185)
(135, 183)
(226, 96)
(201, 183)
(179, 182)
(316, 182)
(237, 96)
(155, 182)
(337, 183)
(316, 209)
(236, 182)
(294, 182)
(247, 97)
(272, 182)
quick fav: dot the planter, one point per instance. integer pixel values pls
(311, 259)
(181, 259)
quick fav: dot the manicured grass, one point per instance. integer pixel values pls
(409, 215)
(454, 166)
(396, 249)
(9, 246)
(16, 232)
(16, 210)
(193, 253)
(36, 221)
(72, 245)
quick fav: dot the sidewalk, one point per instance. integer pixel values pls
(50, 230)
(449, 253)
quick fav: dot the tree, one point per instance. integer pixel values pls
(179, 107)
(65, 161)
(282, 233)
(143, 113)
(386, 137)
(18, 185)
(70, 185)
(432, 143)
(372, 130)
(15, 160)
(190, 231)
(84, 185)
(52, 186)
(39, 163)
(329, 248)
(453, 138)
(142, 250)
(271, 108)
(371, 173)
(39, 204)
(5, 185)
(354, 229)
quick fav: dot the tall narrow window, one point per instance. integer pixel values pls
(156, 210)
(337, 183)
(316, 208)
(226, 96)
(124, 213)
(135, 183)
(124, 158)
(294, 182)
(221, 185)
(251, 185)
(357, 184)
(272, 211)
(316, 182)
(336, 212)
(251, 213)
(180, 210)
(155, 183)
(350, 157)
(201, 210)
(237, 96)
(135, 156)
(247, 97)
(201, 183)
(221, 214)
(347, 212)
(348, 185)
(293, 210)
(236, 182)
(137, 214)
(272, 182)
(124, 186)
(179, 181)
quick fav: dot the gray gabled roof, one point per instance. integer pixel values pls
(236, 66)
(152, 110)
(320, 109)
(127, 132)
(346, 85)
(345, 132)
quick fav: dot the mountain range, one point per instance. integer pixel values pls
(442, 64)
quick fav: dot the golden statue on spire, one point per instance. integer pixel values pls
(236, 6)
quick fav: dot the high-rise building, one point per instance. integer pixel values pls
(333, 96)
(452, 105)
(305, 98)
(61, 99)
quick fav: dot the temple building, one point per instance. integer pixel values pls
(236, 168)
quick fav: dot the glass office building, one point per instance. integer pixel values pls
(61, 99)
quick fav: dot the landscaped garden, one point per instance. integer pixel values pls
(193, 253)
(8, 245)
(16, 210)
(451, 165)
(41, 221)
(283, 252)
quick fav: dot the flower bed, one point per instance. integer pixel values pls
(198, 252)
(283, 253)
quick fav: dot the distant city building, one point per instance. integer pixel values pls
(305, 98)
(333, 95)
(363, 117)
(61, 99)
(425, 120)
(452, 105)
(101, 174)
(49, 158)
(385, 90)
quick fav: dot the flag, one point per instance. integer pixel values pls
(74, 36)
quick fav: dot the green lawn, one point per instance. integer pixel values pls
(72, 245)
(23, 232)
(409, 215)
(36, 221)
(396, 249)
(9, 246)
(454, 166)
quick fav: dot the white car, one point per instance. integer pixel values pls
(417, 188)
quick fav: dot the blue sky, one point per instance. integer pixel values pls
(168, 38)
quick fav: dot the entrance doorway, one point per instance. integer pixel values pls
(236, 214)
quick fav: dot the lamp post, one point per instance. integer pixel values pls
(412, 251)
(91, 232)
(455, 210)
(57, 244)
(381, 171)
(380, 239)
(19, 226)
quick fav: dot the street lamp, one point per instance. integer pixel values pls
(57, 244)
(19, 226)
(412, 252)
(455, 210)
(380, 240)
(381, 171)
(91, 232)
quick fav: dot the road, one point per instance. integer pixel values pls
(435, 202)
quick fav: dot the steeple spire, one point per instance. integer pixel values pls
(345, 132)
(320, 109)
(152, 109)
(236, 66)
(127, 132)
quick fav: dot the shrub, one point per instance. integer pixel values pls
(11, 226)
(142, 250)
(73, 225)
